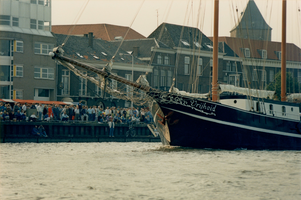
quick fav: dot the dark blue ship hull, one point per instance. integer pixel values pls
(198, 123)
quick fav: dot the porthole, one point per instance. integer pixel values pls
(235, 101)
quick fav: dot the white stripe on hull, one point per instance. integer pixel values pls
(236, 125)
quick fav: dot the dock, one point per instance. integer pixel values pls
(19, 132)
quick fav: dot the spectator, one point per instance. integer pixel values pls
(5, 116)
(76, 111)
(24, 107)
(40, 111)
(80, 107)
(33, 118)
(111, 126)
(84, 114)
(35, 131)
(65, 117)
(42, 131)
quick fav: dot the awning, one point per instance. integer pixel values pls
(42, 102)
(7, 100)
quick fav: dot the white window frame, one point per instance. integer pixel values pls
(163, 78)
(156, 75)
(299, 76)
(15, 21)
(43, 73)
(244, 73)
(272, 75)
(255, 75)
(159, 59)
(128, 88)
(19, 71)
(33, 24)
(169, 78)
(82, 90)
(186, 65)
(247, 52)
(43, 48)
(264, 54)
(200, 67)
(65, 76)
(40, 25)
(185, 43)
(166, 60)
(263, 76)
(19, 94)
(19, 46)
(98, 89)
(5, 20)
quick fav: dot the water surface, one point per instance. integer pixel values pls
(145, 171)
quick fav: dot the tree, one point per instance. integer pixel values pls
(292, 85)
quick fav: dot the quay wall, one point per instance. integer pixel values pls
(11, 132)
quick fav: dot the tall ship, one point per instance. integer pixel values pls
(248, 121)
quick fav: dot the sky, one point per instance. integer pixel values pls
(145, 15)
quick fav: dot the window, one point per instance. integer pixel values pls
(244, 74)
(233, 67)
(98, 90)
(156, 74)
(200, 67)
(197, 44)
(83, 86)
(166, 60)
(169, 78)
(278, 54)
(272, 75)
(271, 109)
(283, 111)
(18, 71)
(163, 78)
(4, 73)
(43, 48)
(187, 65)
(5, 20)
(5, 47)
(44, 73)
(43, 93)
(41, 2)
(263, 76)
(128, 88)
(17, 94)
(40, 25)
(65, 82)
(247, 52)
(254, 75)
(15, 21)
(33, 1)
(113, 84)
(228, 66)
(299, 76)
(19, 46)
(264, 54)
(33, 23)
(185, 43)
(159, 59)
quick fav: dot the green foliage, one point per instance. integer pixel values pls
(292, 85)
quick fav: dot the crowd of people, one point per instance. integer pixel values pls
(73, 113)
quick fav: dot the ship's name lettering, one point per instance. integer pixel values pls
(203, 106)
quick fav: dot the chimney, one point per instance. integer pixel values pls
(135, 51)
(91, 39)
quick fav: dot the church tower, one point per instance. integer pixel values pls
(252, 25)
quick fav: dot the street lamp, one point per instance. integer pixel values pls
(122, 54)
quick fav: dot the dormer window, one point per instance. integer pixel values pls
(197, 44)
(264, 54)
(185, 43)
(246, 52)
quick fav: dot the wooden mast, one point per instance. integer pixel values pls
(215, 53)
(283, 53)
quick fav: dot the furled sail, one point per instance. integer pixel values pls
(247, 91)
